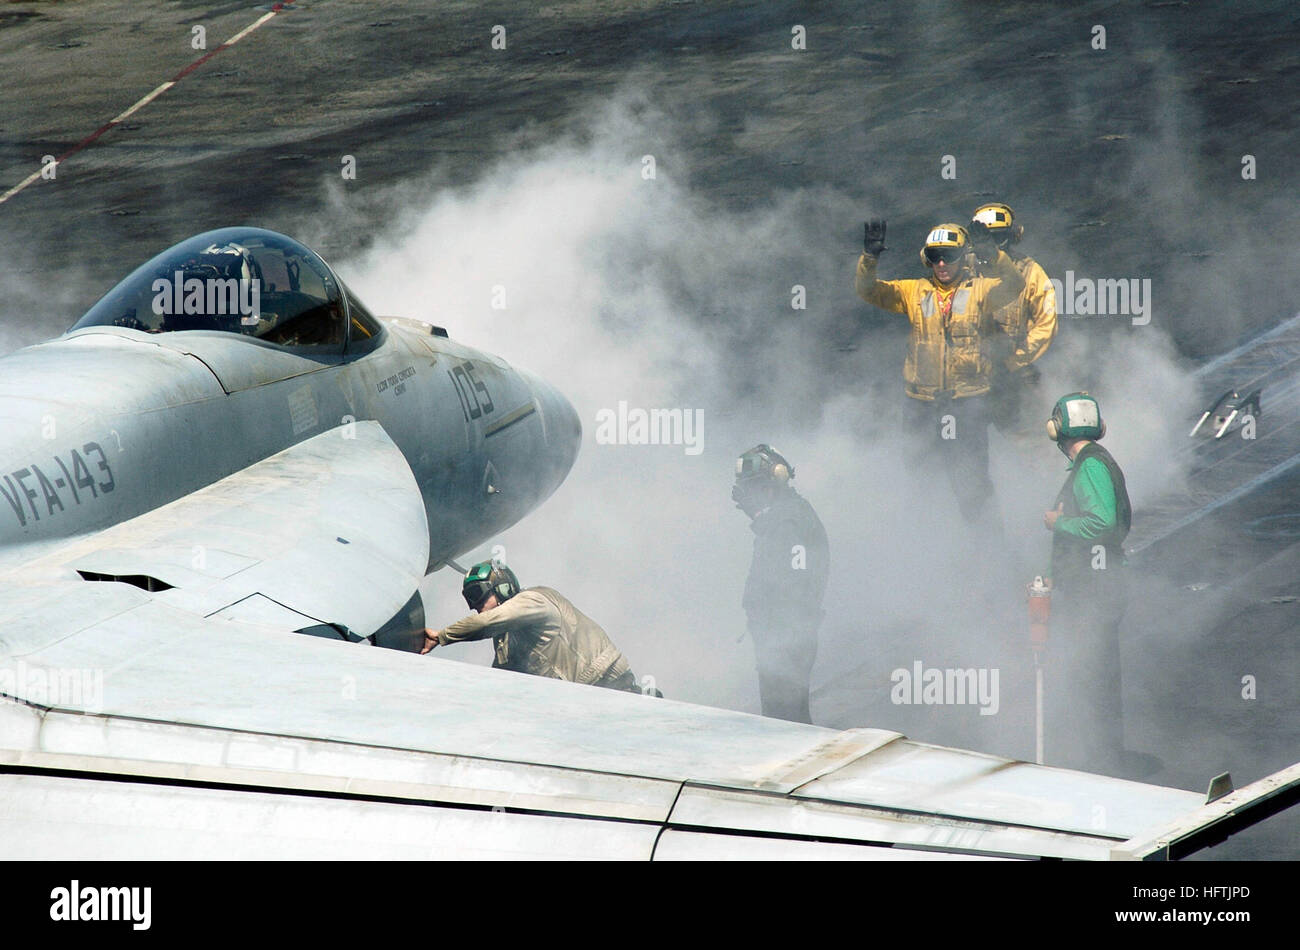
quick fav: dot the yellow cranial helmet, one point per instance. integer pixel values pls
(1000, 221)
(947, 242)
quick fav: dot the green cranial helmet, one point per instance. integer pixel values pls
(1075, 416)
(487, 578)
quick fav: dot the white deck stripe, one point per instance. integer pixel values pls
(140, 104)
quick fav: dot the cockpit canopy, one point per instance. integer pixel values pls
(238, 280)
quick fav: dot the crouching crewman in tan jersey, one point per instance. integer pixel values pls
(534, 631)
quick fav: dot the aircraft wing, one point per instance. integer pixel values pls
(206, 737)
(1225, 470)
(331, 531)
(174, 714)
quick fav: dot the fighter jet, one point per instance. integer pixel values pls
(241, 347)
(222, 488)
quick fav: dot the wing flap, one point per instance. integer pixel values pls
(934, 831)
(971, 785)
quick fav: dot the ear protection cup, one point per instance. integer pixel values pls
(1053, 430)
(507, 583)
(765, 462)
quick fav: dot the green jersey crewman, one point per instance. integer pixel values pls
(1089, 522)
(536, 630)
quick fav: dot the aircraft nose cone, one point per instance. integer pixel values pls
(563, 428)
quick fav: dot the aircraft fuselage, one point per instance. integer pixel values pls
(111, 421)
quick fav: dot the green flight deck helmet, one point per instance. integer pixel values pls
(487, 578)
(1075, 416)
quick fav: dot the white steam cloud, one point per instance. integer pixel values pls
(623, 288)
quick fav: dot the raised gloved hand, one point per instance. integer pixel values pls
(873, 237)
(982, 242)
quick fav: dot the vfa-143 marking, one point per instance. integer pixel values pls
(75, 480)
(157, 401)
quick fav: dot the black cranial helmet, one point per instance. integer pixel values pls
(761, 473)
(763, 461)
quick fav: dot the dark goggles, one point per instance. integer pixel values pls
(949, 255)
(476, 592)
